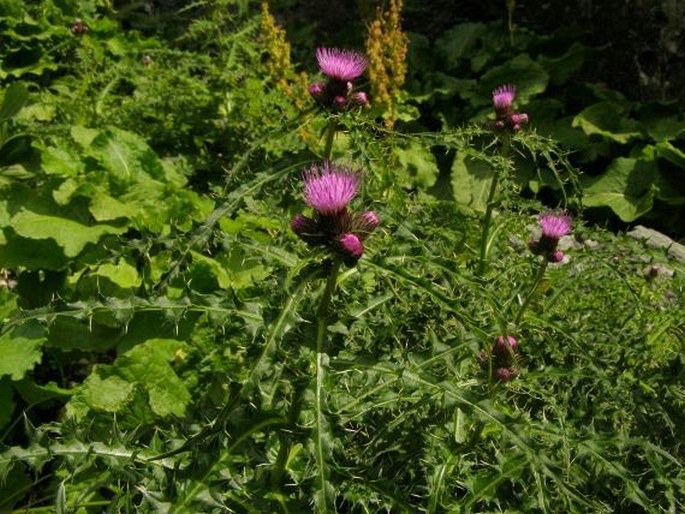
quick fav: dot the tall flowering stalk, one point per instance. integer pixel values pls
(553, 227)
(507, 122)
(328, 190)
(386, 46)
(337, 94)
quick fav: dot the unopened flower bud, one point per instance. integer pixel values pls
(557, 256)
(370, 221)
(360, 98)
(339, 100)
(79, 27)
(351, 245)
(317, 89)
(504, 374)
(302, 224)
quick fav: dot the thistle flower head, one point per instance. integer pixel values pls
(329, 189)
(503, 99)
(341, 64)
(554, 226)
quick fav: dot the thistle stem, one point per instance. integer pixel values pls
(536, 282)
(487, 221)
(321, 315)
(330, 136)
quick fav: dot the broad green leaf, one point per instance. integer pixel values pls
(148, 365)
(459, 43)
(68, 234)
(125, 156)
(15, 98)
(20, 349)
(105, 208)
(471, 181)
(607, 119)
(122, 274)
(33, 393)
(659, 120)
(530, 79)
(562, 68)
(59, 161)
(419, 167)
(207, 273)
(109, 394)
(627, 187)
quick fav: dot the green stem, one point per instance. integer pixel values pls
(321, 315)
(330, 135)
(487, 221)
(536, 282)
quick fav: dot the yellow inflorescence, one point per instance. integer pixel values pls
(278, 48)
(386, 47)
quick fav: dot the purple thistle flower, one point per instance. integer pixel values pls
(503, 99)
(352, 245)
(329, 189)
(504, 349)
(554, 226)
(340, 64)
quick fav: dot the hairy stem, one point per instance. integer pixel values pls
(487, 221)
(540, 273)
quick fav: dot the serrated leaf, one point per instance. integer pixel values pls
(20, 349)
(70, 235)
(627, 187)
(471, 181)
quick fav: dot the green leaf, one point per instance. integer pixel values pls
(459, 43)
(68, 234)
(627, 187)
(109, 393)
(15, 98)
(20, 349)
(105, 208)
(530, 79)
(419, 167)
(471, 181)
(148, 365)
(607, 120)
(562, 68)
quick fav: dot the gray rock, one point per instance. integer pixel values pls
(655, 239)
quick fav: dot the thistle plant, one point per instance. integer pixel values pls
(506, 123)
(341, 67)
(554, 226)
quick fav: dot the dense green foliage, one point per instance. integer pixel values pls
(159, 317)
